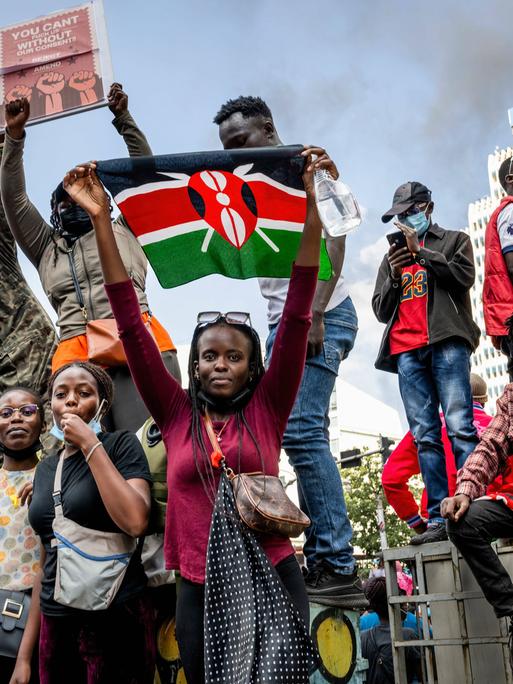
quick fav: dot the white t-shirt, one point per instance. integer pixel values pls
(505, 228)
(275, 291)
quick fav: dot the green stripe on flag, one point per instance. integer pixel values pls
(178, 260)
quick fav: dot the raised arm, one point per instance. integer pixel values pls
(159, 390)
(30, 230)
(8, 255)
(134, 138)
(281, 381)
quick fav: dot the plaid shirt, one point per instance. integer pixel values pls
(492, 455)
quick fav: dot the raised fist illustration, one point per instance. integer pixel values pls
(19, 92)
(84, 82)
(50, 85)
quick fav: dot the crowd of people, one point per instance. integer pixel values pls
(82, 506)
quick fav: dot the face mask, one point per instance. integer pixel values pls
(418, 221)
(94, 424)
(75, 221)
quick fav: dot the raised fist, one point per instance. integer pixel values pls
(17, 113)
(19, 92)
(117, 99)
(50, 83)
(84, 82)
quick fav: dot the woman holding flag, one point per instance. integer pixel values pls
(229, 390)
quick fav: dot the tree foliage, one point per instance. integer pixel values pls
(362, 486)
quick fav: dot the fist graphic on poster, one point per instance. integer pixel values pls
(84, 82)
(50, 85)
(18, 92)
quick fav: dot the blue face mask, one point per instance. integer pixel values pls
(418, 221)
(94, 424)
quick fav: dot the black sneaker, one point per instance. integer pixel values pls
(328, 587)
(434, 533)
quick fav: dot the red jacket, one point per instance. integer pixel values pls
(497, 288)
(404, 463)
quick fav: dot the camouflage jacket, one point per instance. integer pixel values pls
(27, 336)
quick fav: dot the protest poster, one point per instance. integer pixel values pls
(59, 62)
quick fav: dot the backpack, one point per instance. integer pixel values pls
(379, 654)
(155, 451)
(153, 547)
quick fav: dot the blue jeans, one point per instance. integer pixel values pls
(429, 377)
(306, 442)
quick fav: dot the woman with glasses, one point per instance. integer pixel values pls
(21, 423)
(249, 407)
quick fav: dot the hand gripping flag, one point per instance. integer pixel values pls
(239, 213)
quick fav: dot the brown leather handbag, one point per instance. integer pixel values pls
(103, 344)
(261, 500)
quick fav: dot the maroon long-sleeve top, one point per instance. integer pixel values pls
(189, 508)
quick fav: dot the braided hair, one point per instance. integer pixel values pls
(375, 591)
(200, 451)
(102, 378)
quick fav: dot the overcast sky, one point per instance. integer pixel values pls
(396, 90)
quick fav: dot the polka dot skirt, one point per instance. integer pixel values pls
(253, 632)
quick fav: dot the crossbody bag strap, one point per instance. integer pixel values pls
(216, 457)
(76, 284)
(212, 435)
(57, 487)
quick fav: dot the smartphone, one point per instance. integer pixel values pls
(398, 238)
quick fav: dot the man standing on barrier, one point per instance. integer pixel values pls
(332, 577)
(422, 294)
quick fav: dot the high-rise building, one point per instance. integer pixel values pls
(486, 361)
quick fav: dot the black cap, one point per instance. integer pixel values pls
(405, 197)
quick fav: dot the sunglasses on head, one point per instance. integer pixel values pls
(230, 317)
(26, 411)
(415, 209)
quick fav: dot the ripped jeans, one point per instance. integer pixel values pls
(429, 377)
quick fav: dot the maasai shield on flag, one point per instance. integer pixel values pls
(239, 213)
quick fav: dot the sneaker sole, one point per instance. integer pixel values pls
(357, 601)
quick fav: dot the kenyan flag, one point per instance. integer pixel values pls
(239, 213)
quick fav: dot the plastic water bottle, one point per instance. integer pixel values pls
(338, 209)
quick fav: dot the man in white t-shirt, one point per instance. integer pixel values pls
(498, 280)
(332, 577)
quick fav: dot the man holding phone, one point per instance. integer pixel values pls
(422, 294)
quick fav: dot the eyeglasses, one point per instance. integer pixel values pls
(415, 209)
(230, 317)
(26, 411)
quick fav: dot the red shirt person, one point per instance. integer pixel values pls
(403, 464)
(480, 511)
(422, 295)
(498, 270)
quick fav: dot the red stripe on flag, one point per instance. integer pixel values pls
(149, 211)
(276, 204)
